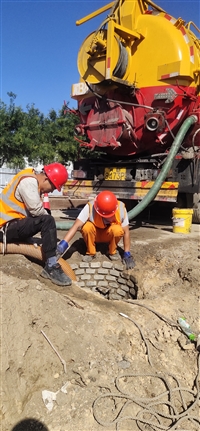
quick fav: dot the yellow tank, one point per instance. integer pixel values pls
(139, 79)
(140, 46)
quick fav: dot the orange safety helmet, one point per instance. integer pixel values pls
(57, 174)
(105, 204)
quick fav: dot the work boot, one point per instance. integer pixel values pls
(115, 256)
(88, 257)
(56, 275)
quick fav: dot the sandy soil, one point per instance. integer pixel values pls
(71, 361)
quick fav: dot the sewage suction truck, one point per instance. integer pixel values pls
(138, 103)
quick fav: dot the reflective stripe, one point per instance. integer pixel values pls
(192, 54)
(169, 18)
(122, 210)
(11, 208)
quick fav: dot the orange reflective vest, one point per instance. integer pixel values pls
(118, 217)
(10, 207)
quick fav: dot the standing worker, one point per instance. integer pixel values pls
(23, 215)
(104, 220)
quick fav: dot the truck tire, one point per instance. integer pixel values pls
(196, 208)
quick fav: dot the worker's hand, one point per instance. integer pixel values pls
(128, 260)
(61, 248)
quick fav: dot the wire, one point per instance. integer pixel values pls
(120, 102)
(159, 412)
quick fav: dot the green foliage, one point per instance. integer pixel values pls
(37, 138)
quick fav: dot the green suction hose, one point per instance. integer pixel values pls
(64, 225)
(165, 169)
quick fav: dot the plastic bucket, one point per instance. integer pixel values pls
(182, 220)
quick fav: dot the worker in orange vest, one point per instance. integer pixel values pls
(104, 220)
(23, 214)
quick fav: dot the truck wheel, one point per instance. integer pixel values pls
(196, 208)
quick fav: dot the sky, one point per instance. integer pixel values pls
(39, 44)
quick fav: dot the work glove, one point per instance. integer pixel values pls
(128, 260)
(61, 248)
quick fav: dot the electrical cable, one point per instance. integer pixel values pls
(158, 408)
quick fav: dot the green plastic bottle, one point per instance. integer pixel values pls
(185, 326)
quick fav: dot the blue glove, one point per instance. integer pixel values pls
(61, 248)
(128, 260)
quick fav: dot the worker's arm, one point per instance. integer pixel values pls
(127, 258)
(80, 221)
(72, 231)
(63, 245)
(126, 238)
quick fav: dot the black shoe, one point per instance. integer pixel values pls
(56, 275)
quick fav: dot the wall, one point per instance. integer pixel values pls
(6, 175)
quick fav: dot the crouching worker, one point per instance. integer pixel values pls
(104, 220)
(23, 215)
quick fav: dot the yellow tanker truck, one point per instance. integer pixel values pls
(138, 103)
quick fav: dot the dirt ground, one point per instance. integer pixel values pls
(75, 361)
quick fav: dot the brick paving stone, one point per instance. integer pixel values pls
(103, 283)
(130, 283)
(90, 271)
(102, 271)
(92, 283)
(121, 292)
(95, 264)
(102, 289)
(84, 265)
(110, 278)
(121, 280)
(81, 283)
(118, 266)
(79, 271)
(99, 277)
(74, 266)
(133, 278)
(114, 272)
(125, 275)
(124, 287)
(114, 285)
(86, 277)
(107, 265)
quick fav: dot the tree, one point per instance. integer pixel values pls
(11, 120)
(37, 138)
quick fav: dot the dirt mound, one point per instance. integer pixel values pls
(73, 360)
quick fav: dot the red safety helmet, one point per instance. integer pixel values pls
(57, 174)
(105, 204)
